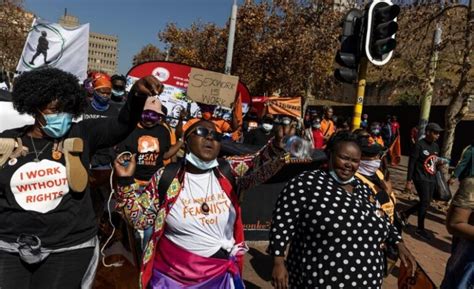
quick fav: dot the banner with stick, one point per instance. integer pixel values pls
(51, 45)
(285, 105)
(395, 151)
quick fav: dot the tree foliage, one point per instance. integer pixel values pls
(148, 53)
(280, 46)
(288, 46)
(14, 25)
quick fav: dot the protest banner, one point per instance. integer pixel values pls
(212, 87)
(175, 78)
(395, 151)
(285, 105)
(51, 45)
(259, 105)
(10, 118)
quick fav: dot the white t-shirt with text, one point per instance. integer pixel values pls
(189, 228)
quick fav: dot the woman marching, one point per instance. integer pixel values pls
(335, 226)
(194, 211)
(47, 223)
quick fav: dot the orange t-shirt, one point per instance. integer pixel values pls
(327, 127)
(377, 140)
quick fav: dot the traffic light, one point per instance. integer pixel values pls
(349, 55)
(380, 31)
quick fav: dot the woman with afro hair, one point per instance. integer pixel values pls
(47, 223)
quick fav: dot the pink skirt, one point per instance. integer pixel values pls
(176, 268)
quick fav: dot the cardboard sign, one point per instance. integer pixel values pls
(212, 88)
(285, 105)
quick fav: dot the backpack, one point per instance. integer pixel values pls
(10, 148)
(387, 199)
(170, 171)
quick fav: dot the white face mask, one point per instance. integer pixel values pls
(369, 167)
(200, 164)
(333, 174)
(267, 127)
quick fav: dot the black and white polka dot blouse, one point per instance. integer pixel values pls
(335, 235)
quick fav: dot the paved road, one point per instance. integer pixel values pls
(432, 256)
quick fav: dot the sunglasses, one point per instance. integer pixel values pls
(204, 132)
(151, 116)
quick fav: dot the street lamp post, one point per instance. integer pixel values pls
(230, 42)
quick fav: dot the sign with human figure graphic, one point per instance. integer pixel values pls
(51, 45)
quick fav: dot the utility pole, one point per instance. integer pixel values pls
(360, 93)
(431, 74)
(230, 42)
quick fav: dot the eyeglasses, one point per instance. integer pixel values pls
(204, 132)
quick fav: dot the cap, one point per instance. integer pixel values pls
(433, 127)
(101, 81)
(154, 104)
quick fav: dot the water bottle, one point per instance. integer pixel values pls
(298, 147)
(443, 161)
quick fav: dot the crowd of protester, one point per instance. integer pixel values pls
(171, 187)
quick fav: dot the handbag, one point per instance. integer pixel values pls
(420, 280)
(442, 191)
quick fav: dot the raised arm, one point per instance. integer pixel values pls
(252, 170)
(108, 132)
(139, 205)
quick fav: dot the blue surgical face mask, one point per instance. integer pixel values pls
(333, 175)
(200, 164)
(118, 93)
(57, 124)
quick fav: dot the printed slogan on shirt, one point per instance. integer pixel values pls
(218, 204)
(40, 186)
(149, 150)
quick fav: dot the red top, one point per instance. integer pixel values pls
(395, 127)
(318, 139)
